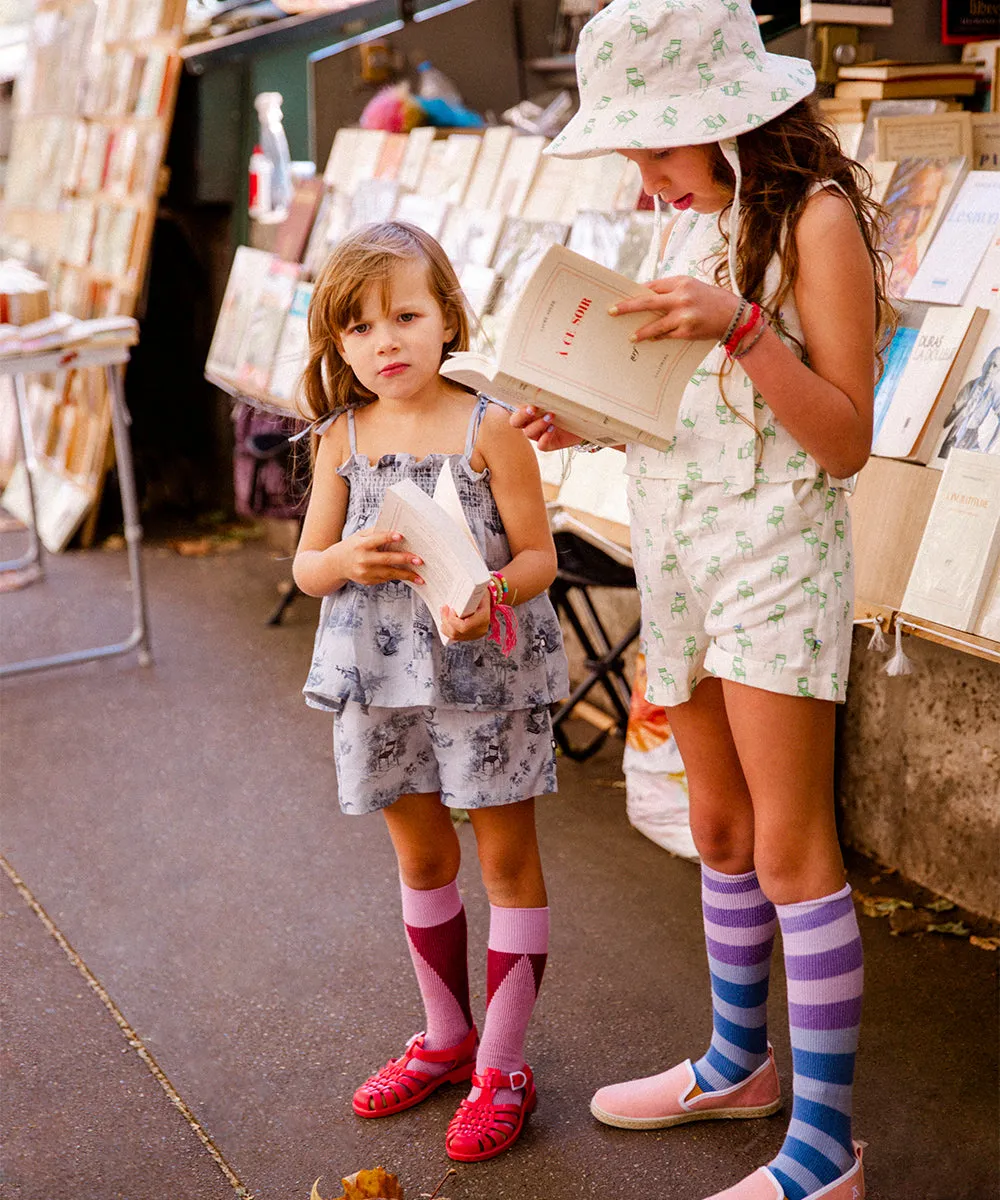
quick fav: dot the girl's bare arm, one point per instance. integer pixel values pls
(517, 489)
(323, 562)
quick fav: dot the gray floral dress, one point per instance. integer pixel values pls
(377, 645)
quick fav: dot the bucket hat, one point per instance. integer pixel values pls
(660, 73)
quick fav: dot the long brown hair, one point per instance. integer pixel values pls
(365, 258)
(780, 162)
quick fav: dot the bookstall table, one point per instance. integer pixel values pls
(112, 360)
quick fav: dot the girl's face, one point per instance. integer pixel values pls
(394, 347)
(681, 177)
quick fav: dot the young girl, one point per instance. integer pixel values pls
(741, 540)
(420, 727)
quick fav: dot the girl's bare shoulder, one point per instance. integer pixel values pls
(826, 211)
(334, 444)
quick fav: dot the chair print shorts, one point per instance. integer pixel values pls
(756, 587)
(473, 759)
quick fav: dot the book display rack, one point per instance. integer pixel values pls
(496, 204)
(92, 118)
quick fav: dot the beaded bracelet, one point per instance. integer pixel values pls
(742, 351)
(503, 620)
(744, 329)
(740, 310)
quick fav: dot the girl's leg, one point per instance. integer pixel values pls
(739, 919)
(519, 934)
(786, 748)
(428, 853)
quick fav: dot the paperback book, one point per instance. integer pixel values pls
(435, 529)
(292, 348)
(522, 246)
(949, 266)
(973, 421)
(944, 344)
(564, 352)
(919, 194)
(260, 341)
(959, 547)
(246, 278)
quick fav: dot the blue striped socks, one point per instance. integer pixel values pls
(824, 968)
(739, 932)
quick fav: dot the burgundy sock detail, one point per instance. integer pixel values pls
(499, 965)
(538, 962)
(443, 948)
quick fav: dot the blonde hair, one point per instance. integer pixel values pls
(365, 258)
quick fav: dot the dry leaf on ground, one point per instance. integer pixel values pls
(373, 1184)
(985, 943)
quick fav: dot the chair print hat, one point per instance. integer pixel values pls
(654, 74)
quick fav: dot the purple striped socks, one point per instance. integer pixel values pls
(436, 932)
(515, 960)
(739, 931)
(823, 964)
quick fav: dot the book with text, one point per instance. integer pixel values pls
(563, 351)
(949, 266)
(954, 564)
(973, 420)
(929, 380)
(434, 528)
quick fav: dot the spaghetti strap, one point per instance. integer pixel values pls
(352, 438)
(478, 412)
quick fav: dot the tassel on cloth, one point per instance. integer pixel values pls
(877, 640)
(899, 664)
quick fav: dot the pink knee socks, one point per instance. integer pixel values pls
(518, 949)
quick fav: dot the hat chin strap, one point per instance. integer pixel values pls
(731, 153)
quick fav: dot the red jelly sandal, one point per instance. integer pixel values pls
(401, 1084)
(482, 1128)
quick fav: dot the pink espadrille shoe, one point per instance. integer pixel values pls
(659, 1101)
(762, 1185)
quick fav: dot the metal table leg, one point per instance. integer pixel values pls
(32, 557)
(138, 639)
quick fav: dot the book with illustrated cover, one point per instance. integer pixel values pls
(919, 194)
(958, 550)
(928, 382)
(963, 237)
(470, 235)
(563, 351)
(435, 529)
(521, 248)
(332, 222)
(896, 358)
(260, 341)
(933, 135)
(391, 158)
(973, 421)
(292, 349)
(246, 278)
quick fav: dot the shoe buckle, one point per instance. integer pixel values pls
(514, 1085)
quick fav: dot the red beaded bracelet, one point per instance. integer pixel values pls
(744, 328)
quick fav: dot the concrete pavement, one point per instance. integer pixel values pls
(178, 825)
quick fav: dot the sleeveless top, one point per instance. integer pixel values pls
(378, 644)
(711, 442)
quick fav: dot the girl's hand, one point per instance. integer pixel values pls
(542, 428)
(466, 629)
(362, 558)
(684, 308)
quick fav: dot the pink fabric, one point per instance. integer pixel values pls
(518, 948)
(436, 932)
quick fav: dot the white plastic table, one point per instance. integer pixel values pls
(113, 359)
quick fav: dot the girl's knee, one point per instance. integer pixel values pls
(724, 845)
(423, 873)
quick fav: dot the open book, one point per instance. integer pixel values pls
(435, 529)
(564, 353)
